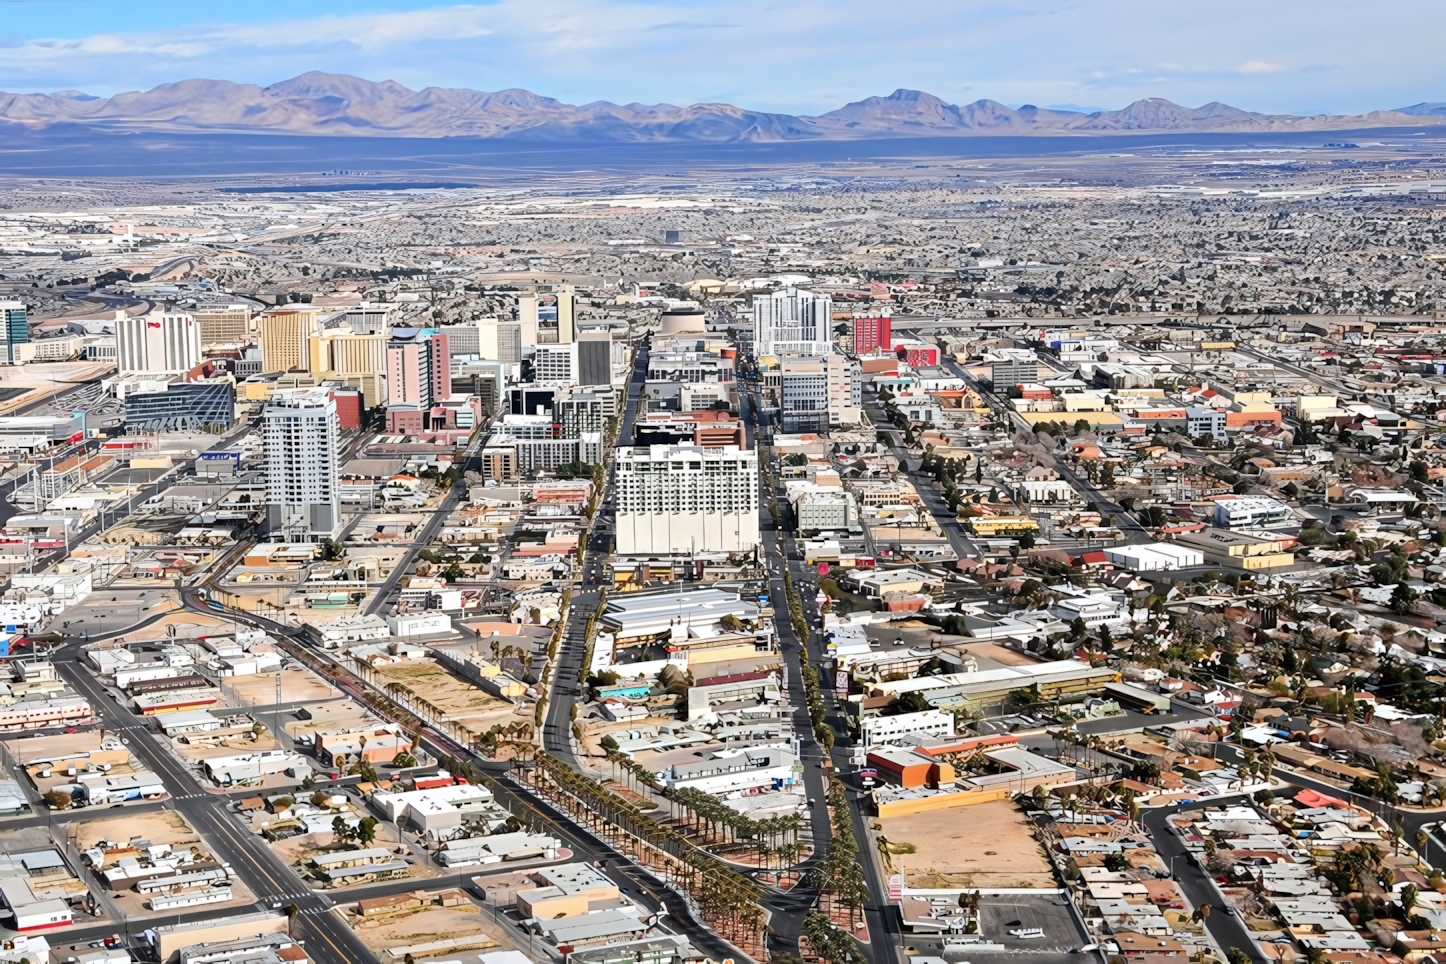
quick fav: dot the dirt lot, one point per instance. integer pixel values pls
(988, 845)
(458, 699)
(206, 747)
(1000, 654)
(165, 826)
(435, 924)
(297, 684)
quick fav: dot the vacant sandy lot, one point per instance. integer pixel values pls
(1000, 654)
(164, 826)
(988, 845)
(455, 697)
(206, 746)
(436, 924)
(298, 684)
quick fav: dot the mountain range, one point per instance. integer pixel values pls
(318, 103)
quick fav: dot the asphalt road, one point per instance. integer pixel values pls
(329, 941)
(886, 938)
(425, 534)
(1228, 931)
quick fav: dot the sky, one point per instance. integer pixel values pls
(792, 56)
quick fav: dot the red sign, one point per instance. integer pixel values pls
(153, 324)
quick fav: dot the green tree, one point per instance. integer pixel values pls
(366, 830)
(341, 832)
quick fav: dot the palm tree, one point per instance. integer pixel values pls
(882, 843)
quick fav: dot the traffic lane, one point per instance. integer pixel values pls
(1227, 930)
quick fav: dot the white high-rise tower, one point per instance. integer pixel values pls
(792, 322)
(160, 343)
(302, 437)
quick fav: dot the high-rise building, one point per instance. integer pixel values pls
(555, 364)
(681, 499)
(224, 324)
(566, 314)
(792, 322)
(1012, 367)
(370, 318)
(817, 394)
(302, 447)
(160, 343)
(14, 327)
(595, 358)
(871, 334)
(285, 334)
(464, 339)
(499, 340)
(527, 318)
(358, 360)
(419, 376)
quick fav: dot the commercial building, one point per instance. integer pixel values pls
(879, 730)
(164, 343)
(1243, 549)
(595, 358)
(224, 324)
(555, 364)
(182, 406)
(682, 499)
(871, 334)
(580, 410)
(827, 510)
(986, 687)
(1250, 511)
(15, 329)
(792, 322)
(1012, 367)
(302, 446)
(285, 334)
(820, 393)
(419, 376)
(1154, 557)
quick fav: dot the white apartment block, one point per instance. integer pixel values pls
(302, 438)
(682, 499)
(792, 322)
(160, 343)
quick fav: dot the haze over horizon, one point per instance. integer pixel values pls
(808, 58)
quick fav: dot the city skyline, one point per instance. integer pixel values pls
(1291, 59)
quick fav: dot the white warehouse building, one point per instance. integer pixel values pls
(1154, 557)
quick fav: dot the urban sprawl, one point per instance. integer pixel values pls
(919, 569)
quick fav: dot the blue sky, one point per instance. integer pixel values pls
(796, 56)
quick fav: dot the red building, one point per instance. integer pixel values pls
(871, 334)
(348, 408)
(916, 354)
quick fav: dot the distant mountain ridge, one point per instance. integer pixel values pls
(343, 105)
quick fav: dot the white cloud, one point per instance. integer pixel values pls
(1259, 67)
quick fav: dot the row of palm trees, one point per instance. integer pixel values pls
(839, 877)
(725, 900)
(720, 824)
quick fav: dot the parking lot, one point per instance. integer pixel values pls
(1001, 913)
